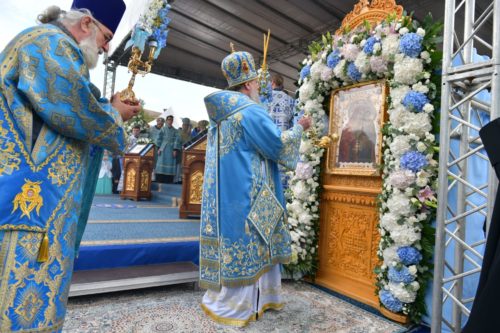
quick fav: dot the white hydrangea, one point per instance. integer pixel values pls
(306, 91)
(390, 46)
(300, 190)
(350, 51)
(399, 291)
(312, 105)
(390, 254)
(398, 93)
(340, 71)
(405, 235)
(398, 116)
(399, 204)
(401, 179)
(421, 88)
(316, 70)
(363, 63)
(408, 70)
(389, 221)
(400, 145)
(417, 123)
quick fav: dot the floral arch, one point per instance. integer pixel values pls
(403, 52)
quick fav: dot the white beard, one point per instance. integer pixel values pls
(90, 51)
(254, 95)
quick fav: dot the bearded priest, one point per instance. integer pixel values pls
(244, 232)
(54, 126)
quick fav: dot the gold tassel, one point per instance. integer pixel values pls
(247, 228)
(43, 252)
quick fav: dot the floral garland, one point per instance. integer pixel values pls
(155, 21)
(403, 53)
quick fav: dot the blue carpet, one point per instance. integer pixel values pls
(125, 233)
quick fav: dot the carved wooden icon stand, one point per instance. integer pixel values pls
(349, 236)
(138, 166)
(193, 169)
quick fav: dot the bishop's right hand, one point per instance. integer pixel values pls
(305, 122)
(127, 111)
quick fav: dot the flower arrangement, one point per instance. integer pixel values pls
(403, 52)
(155, 21)
(137, 120)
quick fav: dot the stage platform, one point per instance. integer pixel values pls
(123, 234)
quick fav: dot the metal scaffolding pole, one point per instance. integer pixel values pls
(109, 77)
(460, 114)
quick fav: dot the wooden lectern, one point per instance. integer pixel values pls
(193, 169)
(138, 165)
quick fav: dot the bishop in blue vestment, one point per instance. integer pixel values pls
(244, 232)
(53, 128)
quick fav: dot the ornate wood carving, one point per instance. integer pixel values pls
(193, 168)
(138, 168)
(374, 13)
(350, 242)
(196, 187)
(144, 180)
(131, 178)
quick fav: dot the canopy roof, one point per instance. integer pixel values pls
(201, 30)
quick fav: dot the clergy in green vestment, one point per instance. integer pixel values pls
(169, 147)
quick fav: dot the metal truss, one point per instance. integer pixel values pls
(109, 77)
(463, 113)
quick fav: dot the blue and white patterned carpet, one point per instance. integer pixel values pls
(176, 309)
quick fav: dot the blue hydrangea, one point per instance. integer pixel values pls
(370, 42)
(333, 59)
(409, 255)
(400, 275)
(353, 72)
(305, 71)
(415, 101)
(414, 161)
(160, 36)
(411, 44)
(390, 302)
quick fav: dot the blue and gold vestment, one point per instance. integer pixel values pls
(47, 182)
(243, 222)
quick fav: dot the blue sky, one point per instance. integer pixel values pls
(186, 99)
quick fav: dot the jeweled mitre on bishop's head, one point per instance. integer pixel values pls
(238, 68)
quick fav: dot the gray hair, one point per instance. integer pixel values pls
(68, 18)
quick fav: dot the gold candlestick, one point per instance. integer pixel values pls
(137, 66)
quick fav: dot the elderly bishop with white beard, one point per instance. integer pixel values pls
(54, 126)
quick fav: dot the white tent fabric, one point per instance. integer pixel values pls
(135, 8)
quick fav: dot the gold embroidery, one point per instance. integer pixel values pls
(29, 198)
(231, 132)
(9, 159)
(31, 242)
(28, 307)
(63, 169)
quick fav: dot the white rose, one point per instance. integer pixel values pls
(412, 269)
(428, 108)
(403, 31)
(421, 147)
(421, 32)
